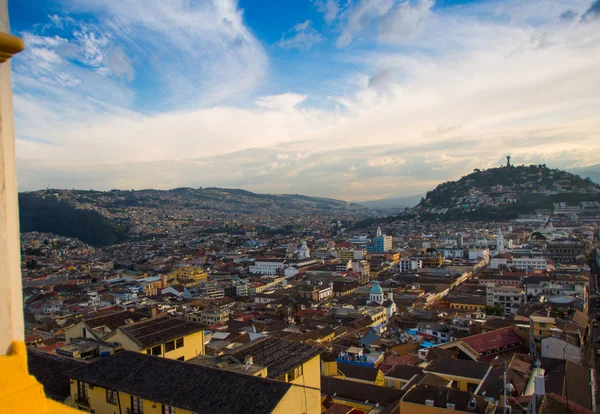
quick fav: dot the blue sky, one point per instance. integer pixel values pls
(357, 99)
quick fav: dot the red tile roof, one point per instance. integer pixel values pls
(493, 340)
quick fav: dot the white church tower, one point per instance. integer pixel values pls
(304, 251)
(379, 232)
(500, 242)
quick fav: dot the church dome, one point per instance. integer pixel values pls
(376, 289)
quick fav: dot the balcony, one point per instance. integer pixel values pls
(82, 401)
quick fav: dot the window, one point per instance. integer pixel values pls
(179, 343)
(169, 346)
(111, 396)
(167, 409)
(181, 359)
(295, 373)
(156, 350)
(137, 405)
(82, 389)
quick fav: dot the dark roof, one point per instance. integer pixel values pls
(440, 353)
(48, 369)
(359, 391)
(159, 330)
(404, 372)
(278, 355)
(458, 367)
(555, 404)
(443, 395)
(432, 379)
(113, 320)
(358, 372)
(187, 386)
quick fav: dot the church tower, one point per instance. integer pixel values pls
(500, 242)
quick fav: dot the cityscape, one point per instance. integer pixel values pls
(321, 206)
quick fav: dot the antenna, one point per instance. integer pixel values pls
(508, 161)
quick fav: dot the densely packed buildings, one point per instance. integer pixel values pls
(423, 318)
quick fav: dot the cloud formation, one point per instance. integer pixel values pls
(153, 96)
(302, 37)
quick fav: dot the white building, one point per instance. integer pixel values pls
(267, 266)
(557, 348)
(406, 264)
(529, 263)
(510, 297)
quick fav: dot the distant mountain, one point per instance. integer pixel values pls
(504, 193)
(592, 171)
(102, 218)
(393, 202)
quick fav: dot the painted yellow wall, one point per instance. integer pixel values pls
(312, 374)
(193, 345)
(299, 400)
(461, 381)
(362, 407)
(330, 368)
(98, 403)
(406, 407)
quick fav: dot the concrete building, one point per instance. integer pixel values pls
(509, 297)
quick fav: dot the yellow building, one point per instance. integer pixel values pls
(540, 327)
(367, 375)
(287, 361)
(97, 326)
(197, 274)
(401, 375)
(164, 336)
(162, 386)
(464, 303)
(465, 375)
(433, 399)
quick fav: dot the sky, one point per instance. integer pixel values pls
(349, 99)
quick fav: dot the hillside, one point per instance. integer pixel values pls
(392, 202)
(591, 171)
(102, 218)
(504, 193)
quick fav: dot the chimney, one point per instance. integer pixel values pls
(163, 281)
(153, 312)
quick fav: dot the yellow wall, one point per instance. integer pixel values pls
(467, 306)
(330, 368)
(406, 407)
(97, 402)
(299, 400)
(395, 383)
(462, 381)
(311, 374)
(193, 345)
(362, 407)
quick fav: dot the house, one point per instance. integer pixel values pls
(360, 396)
(359, 373)
(169, 386)
(431, 399)
(401, 375)
(48, 369)
(471, 303)
(164, 336)
(100, 324)
(285, 360)
(467, 375)
(487, 344)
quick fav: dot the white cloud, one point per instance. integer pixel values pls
(303, 37)
(389, 21)
(329, 8)
(475, 90)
